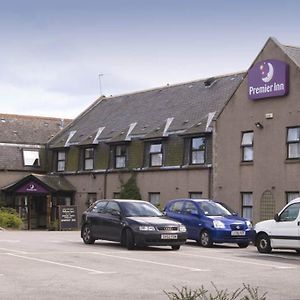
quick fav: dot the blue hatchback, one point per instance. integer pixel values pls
(209, 222)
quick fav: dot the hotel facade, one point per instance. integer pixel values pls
(234, 138)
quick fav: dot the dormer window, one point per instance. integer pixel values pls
(120, 156)
(61, 161)
(31, 158)
(89, 158)
(156, 155)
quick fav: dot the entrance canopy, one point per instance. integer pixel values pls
(39, 184)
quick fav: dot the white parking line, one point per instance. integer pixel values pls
(10, 241)
(241, 261)
(153, 262)
(92, 271)
(11, 250)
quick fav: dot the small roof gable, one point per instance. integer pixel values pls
(186, 104)
(50, 183)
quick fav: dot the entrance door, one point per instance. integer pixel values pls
(37, 212)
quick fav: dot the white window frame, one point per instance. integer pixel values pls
(120, 156)
(31, 158)
(61, 161)
(247, 146)
(247, 205)
(293, 142)
(197, 154)
(156, 154)
(89, 158)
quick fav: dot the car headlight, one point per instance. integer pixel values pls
(182, 228)
(146, 228)
(249, 224)
(218, 224)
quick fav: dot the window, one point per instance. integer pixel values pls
(154, 198)
(247, 146)
(293, 142)
(197, 150)
(112, 208)
(91, 198)
(247, 206)
(156, 156)
(120, 157)
(195, 195)
(99, 207)
(291, 196)
(176, 207)
(31, 158)
(61, 161)
(290, 213)
(190, 208)
(116, 195)
(88, 158)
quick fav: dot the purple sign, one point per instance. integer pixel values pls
(268, 78)
(32, 187)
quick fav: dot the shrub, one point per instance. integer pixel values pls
(245, 293)
(9, 218)
(130, 190)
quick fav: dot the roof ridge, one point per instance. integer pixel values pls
(173, 85)
(31, 117)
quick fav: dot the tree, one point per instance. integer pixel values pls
(130, 190)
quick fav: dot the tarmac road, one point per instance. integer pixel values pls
(57, 265)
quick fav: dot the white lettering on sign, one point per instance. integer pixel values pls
(266, 88)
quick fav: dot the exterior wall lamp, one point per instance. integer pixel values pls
(259, 125)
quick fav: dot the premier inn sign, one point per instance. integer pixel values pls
(268, 78)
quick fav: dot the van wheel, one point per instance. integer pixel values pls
(263, 243)
(243, 245)
(205, 239)
(87, 235)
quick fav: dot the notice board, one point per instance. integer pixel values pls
(68, 218)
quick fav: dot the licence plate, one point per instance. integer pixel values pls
(238, 232)
(169, 236)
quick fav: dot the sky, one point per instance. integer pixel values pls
(57, 57)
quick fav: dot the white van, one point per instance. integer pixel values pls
(283, 232)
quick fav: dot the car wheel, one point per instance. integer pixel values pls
(87, 235)
(175, 247)
(263, 244)
(129, 242)
(205, 239)
(243, 245)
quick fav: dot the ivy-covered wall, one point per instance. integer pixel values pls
(73, 156)
(101, 157)
(135, 154)
(174, 148)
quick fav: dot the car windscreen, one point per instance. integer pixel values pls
(210, 208)
(140, 209)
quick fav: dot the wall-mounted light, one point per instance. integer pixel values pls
(259, 125)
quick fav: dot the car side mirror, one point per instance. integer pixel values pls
(116, 213)
(276, 218)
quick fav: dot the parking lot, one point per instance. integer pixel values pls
(57, 265)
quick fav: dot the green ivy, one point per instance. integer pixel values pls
(130, 189)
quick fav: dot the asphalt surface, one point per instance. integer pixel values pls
(57, 265)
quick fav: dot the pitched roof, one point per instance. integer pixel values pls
(29, 129)
(162, 110)
(53, 183)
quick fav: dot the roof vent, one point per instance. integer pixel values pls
(210, 81)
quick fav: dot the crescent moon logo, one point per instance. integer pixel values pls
(268, 75)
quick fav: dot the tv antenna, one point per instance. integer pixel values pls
(100, 83)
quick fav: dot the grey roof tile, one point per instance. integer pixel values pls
(187, 103)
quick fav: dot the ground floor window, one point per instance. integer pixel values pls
(247, 205)
(116, 195)
(91, 198)
(195, 195)
(154, 198)
(291, 196)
